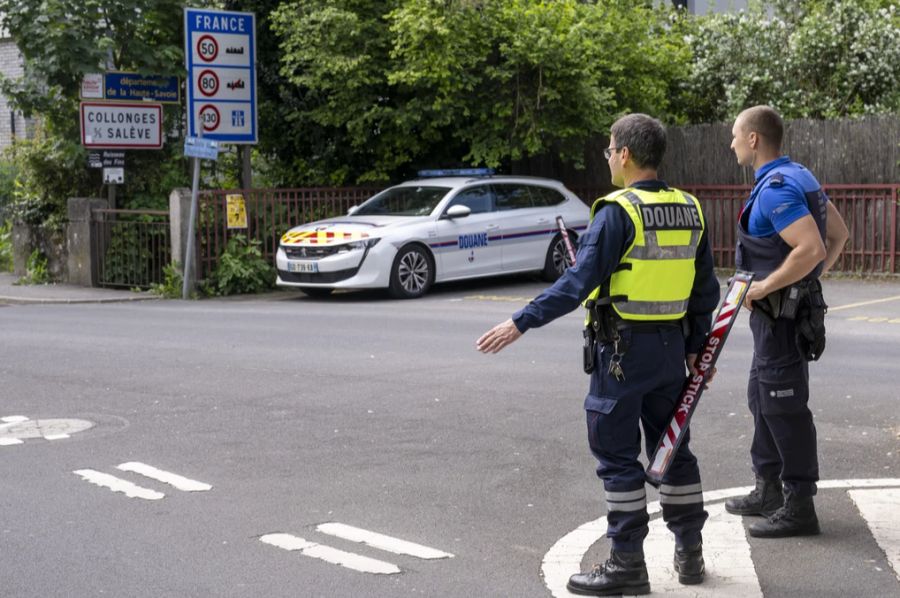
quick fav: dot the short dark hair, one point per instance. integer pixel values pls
(644, 136)
(765, 122)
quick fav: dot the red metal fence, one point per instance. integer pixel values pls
(869, 210)
(270, 212)
(871, 213)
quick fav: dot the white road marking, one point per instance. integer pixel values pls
(179, 482)
(879, 509)
(564, 558)
(14, 419)
(9, 441)
(729, 566)
(330, 555)
(375, 540)
(115, 484)
(56, 436)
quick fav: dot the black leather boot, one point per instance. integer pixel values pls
(797, 517)
(763, 500)
(689, 564)
(623, 572)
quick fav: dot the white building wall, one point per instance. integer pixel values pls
(702, 7)
(11, 67)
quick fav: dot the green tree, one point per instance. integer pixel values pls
(61, 41)
(808, 59)
(428, 82)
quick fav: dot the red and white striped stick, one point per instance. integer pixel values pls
(565, 235)
(694, 385)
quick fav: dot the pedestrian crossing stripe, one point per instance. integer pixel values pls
(351, 560)
(728, 567)
(375, 540)
(357, 562)
(132, 490)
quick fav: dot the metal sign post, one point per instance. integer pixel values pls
(198, 148)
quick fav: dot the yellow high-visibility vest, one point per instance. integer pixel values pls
(657, 270)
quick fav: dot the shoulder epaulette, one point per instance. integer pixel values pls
(776, 180)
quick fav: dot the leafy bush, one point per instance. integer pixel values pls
(171, 286)
(241, 269)
(36, 270)
(807, 59)
(48, 171)
(6, 259)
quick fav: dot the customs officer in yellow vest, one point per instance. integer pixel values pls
(644, 271)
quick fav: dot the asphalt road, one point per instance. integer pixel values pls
(381, 415)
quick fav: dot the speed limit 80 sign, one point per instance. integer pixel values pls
(220, 52)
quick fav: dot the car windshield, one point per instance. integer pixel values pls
(403, 201)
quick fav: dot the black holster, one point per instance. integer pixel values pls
(589, 350)
(804, 303)
(810, 319)
(602, 328)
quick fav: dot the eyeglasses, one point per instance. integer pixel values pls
(608, 152)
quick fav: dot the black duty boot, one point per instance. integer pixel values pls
(623, 572)
(689, 564)
(797, 517)
(763, 500)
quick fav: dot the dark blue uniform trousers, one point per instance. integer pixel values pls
(654, 375)
(784, 435)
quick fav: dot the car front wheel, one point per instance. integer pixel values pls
(557, 258)
(412, 273)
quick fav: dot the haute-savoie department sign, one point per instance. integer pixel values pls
(121, 125)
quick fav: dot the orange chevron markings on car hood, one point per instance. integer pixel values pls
(321, 237)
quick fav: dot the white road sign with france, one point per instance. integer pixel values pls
(220, 51)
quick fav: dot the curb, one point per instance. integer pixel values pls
(49, 301)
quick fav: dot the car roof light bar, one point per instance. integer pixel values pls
(456, 172)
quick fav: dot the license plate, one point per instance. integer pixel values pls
(303, 267)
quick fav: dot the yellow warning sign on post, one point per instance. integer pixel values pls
(237, 211)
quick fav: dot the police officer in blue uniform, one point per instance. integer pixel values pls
(788, 235)
(646, 268)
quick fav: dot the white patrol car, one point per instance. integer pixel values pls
(446, 225)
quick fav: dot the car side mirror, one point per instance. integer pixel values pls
(352, 210)
(457, 211)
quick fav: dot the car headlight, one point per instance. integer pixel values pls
(355, 245)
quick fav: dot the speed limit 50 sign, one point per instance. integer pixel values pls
(220, 52)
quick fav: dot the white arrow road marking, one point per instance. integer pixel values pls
(564, 558)
(330, 555)
(115, 484)
(879, 509)
(9, 441)
(375, 540)
(56, 436)
(13, 419)
(173, 479)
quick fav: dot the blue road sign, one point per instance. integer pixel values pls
(220, 55)
(200, 147)
(132, 86)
